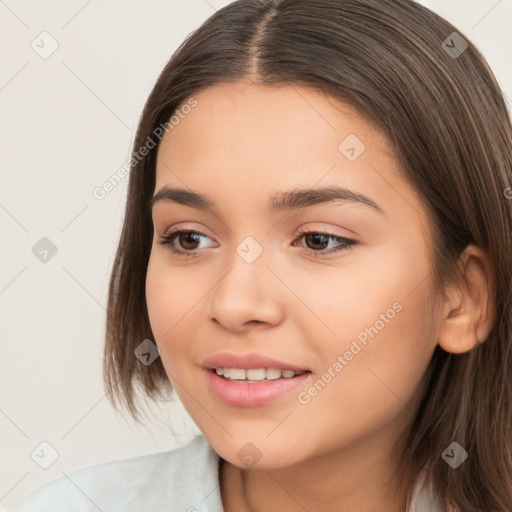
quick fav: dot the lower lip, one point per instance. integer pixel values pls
(248, 394)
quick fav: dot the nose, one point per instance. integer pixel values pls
(248, 294)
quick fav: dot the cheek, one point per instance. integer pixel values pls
(376, 291)
(384, 334)
(170, 297)
(361, 387)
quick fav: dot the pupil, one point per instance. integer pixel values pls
(316, 236)
(188, 236)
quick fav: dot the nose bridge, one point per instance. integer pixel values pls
(250, 250)
(248, 273)
(247, 291)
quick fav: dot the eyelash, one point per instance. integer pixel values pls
(168, 239)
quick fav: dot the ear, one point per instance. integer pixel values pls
(470, 310)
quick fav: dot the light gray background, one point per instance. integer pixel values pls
(67, 124)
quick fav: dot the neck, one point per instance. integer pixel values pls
(355, 478)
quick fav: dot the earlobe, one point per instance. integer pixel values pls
(468, 314)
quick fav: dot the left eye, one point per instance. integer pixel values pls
(321, 238)
(188, 241)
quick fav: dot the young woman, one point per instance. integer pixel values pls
(316, 257)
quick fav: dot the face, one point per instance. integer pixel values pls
(339, 288)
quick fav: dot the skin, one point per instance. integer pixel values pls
(239, 145)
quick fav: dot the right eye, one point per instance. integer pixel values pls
(186, 239)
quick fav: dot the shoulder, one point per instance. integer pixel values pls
(181, 479)
(424, 495)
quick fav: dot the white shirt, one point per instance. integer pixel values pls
(185, 479)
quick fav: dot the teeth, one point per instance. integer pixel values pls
(273, 373)
(235, 373)
(256, 374)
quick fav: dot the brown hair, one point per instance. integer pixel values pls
(393, 60)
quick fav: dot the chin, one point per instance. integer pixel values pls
(248, 455)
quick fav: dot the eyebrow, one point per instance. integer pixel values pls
(282, 201)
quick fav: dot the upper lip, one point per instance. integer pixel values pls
(248, 361)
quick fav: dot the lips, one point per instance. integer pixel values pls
(249, 361)
(244, 394)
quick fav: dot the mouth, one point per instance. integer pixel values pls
(254, 387)
(254, 375)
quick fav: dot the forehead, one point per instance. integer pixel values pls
(244, 141)
(248, 114)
